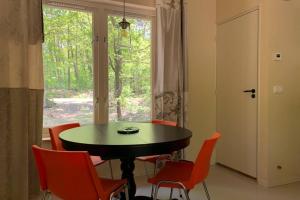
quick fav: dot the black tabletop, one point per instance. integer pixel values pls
(104, 139)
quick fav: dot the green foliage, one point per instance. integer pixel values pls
(67, 49)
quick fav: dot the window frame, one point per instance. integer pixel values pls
(100, 11)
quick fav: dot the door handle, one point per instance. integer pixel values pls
(252, 91)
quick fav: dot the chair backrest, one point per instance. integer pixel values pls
(69, 175)
(41, 168)
(54, 133)
(202, 164)
(164, 122)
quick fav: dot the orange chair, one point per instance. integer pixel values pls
(57, 145)
(71, 176)
(41, 172)
(154, 158)
(163, 122)
(193, 173)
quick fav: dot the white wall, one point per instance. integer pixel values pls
(202, 72)
(281, 33)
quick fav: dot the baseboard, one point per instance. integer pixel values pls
(234, 170)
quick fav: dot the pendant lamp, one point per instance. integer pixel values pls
(124, 36)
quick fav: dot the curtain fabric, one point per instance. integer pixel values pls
(170, 73)
(21, 96)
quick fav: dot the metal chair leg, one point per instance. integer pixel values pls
(206, 190)
(113, 194)
(171, 194)
(152, 190)
(45, 195)
(155, 193)
(126, 192)
(111, 170)
(187, 194)
(155, 166)
(180, 193)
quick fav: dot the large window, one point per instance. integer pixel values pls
(89, 76)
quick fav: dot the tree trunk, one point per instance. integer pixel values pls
(88, 61)
(117, 71)
(69, 68)
(74, 58)
(69, 78)
(118, 85)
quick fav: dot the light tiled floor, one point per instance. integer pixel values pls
(224, 184)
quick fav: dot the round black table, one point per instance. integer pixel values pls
(105, 141)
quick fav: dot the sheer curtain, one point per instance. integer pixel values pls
(170, 74)
(21, 96)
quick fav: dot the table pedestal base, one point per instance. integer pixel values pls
(127, 167)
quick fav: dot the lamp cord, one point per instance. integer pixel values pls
(124, 9)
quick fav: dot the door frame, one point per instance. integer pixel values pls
(259, 144)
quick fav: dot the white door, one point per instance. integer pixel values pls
(237, 63)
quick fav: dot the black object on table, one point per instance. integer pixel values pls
(105, 141)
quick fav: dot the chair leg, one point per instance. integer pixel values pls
(45, 195)
(187, 194)
(152, 187)
(111, 170)
(152, 190)
(206, 190)
(171, 194)
(126, 192)
(180, 193)
(155, 193)
(113, 194)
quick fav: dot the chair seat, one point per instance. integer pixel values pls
(110, 185)
(174, 171)
(154, 158)
(96, 160)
